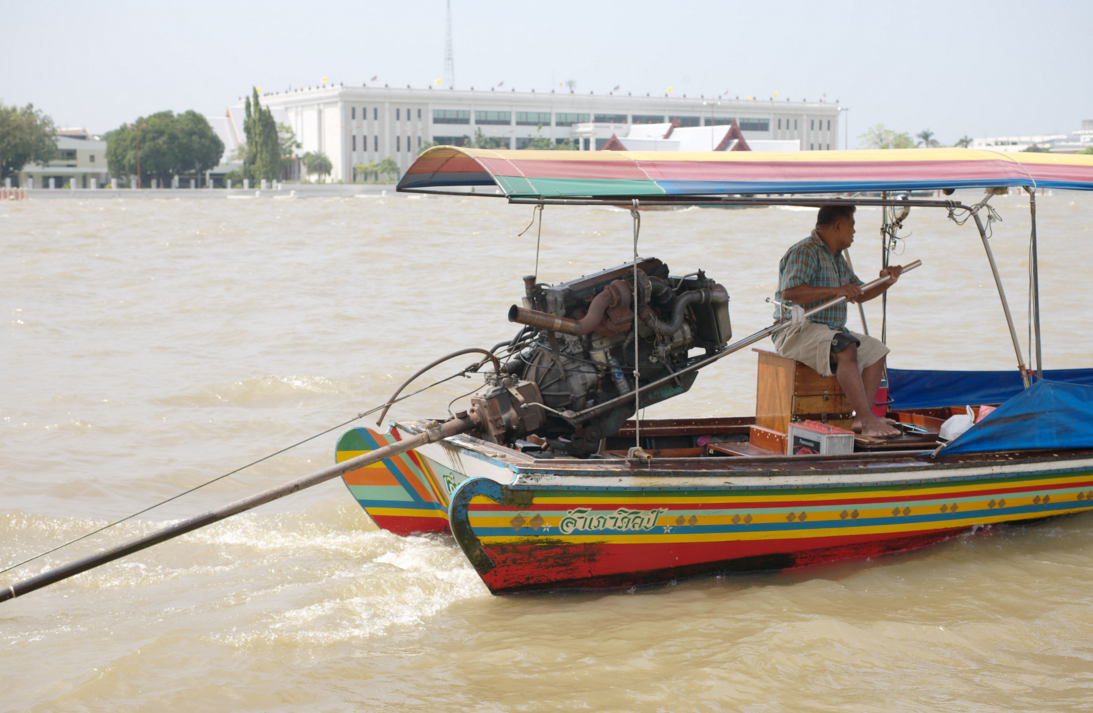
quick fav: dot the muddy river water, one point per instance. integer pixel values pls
(151, 345)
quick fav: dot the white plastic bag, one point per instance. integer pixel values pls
(955, 426)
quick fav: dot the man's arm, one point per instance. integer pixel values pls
(894, 271)
(807, 294)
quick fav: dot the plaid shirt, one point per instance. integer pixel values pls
(809, 262)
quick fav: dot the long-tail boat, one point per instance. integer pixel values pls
(551, 480)
(555, 484)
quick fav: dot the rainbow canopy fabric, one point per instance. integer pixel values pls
(636, 174)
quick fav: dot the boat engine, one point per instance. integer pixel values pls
(566, 385)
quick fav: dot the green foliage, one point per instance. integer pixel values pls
(170, 145)
(317, 163)
(542, 143)
(1033, 148)
(286, 138)
(481, 141)
(262, 152)
(427, 146)
(235, 177)
(964, 142)
(928, 140)
(881, 138)
(387, 167)
(26, 136)
(1087, 151)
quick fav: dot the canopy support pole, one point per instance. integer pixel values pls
(1002, 295)
(1035, 285)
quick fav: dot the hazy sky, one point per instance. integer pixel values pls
(956, 67)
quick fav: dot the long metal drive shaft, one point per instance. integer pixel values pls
(431, 435)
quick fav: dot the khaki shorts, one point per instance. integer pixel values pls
(811, 345)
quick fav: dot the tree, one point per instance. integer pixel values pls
(542, 143)
(387, 166)
(363, 170)
(928, 140)
(262, 159)
(26, 136)
(1036, 148)
(964, 142)
(318, 163)
(428, 145)
(881, 138)
(170, 145)
(482, 141)
(1087, 151)
(286, 138)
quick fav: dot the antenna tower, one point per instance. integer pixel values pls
(449, 60)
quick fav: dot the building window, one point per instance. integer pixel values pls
(451, 116)
(755, 124)
(532, 118)
(811, 147)
(718, 120)
(407, 115)
(609, 118)
(353, 112)
(92, 158)
(829, 147)
(354, 142)
(779, 124)
(648, 119)
(419, 140)
(419, 114)
(522, 142)
(375, 113)
(398, 143)
(376, 143)
(493, 117)
(563, 119)
(794, 124)
(397, 116)
(451, 140)
(812, 125)
(688, 120)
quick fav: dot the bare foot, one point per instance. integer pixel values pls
(876, 427)
(856, 425)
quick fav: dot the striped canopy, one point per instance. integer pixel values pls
(638, 174)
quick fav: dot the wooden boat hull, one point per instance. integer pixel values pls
(563, 531)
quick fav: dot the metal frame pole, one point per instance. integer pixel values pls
(1002, 296)
(1035, 285)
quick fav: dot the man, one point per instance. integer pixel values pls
(812, 272)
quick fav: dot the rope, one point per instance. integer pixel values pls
(637, 370)
(233, 472)
(539, 237)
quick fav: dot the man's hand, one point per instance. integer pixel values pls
(892, 270)
(851, 292)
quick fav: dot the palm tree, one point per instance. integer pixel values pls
(964, 142)
(928, 140)
(317, 162)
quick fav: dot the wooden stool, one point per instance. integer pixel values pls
(788, 390)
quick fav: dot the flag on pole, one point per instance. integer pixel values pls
(438, 81)
(326, 80)
(374, 78)
(500, 85)
(258, 89)
(616, 87)
(669, 90)
(776, 94)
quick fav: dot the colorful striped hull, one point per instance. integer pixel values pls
(563, 532)
(407, 494)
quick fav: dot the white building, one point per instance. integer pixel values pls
(81, 159)
(355, 125)
(1073, 142)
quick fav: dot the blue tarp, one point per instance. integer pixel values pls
(1050, 414)
(912, 388)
